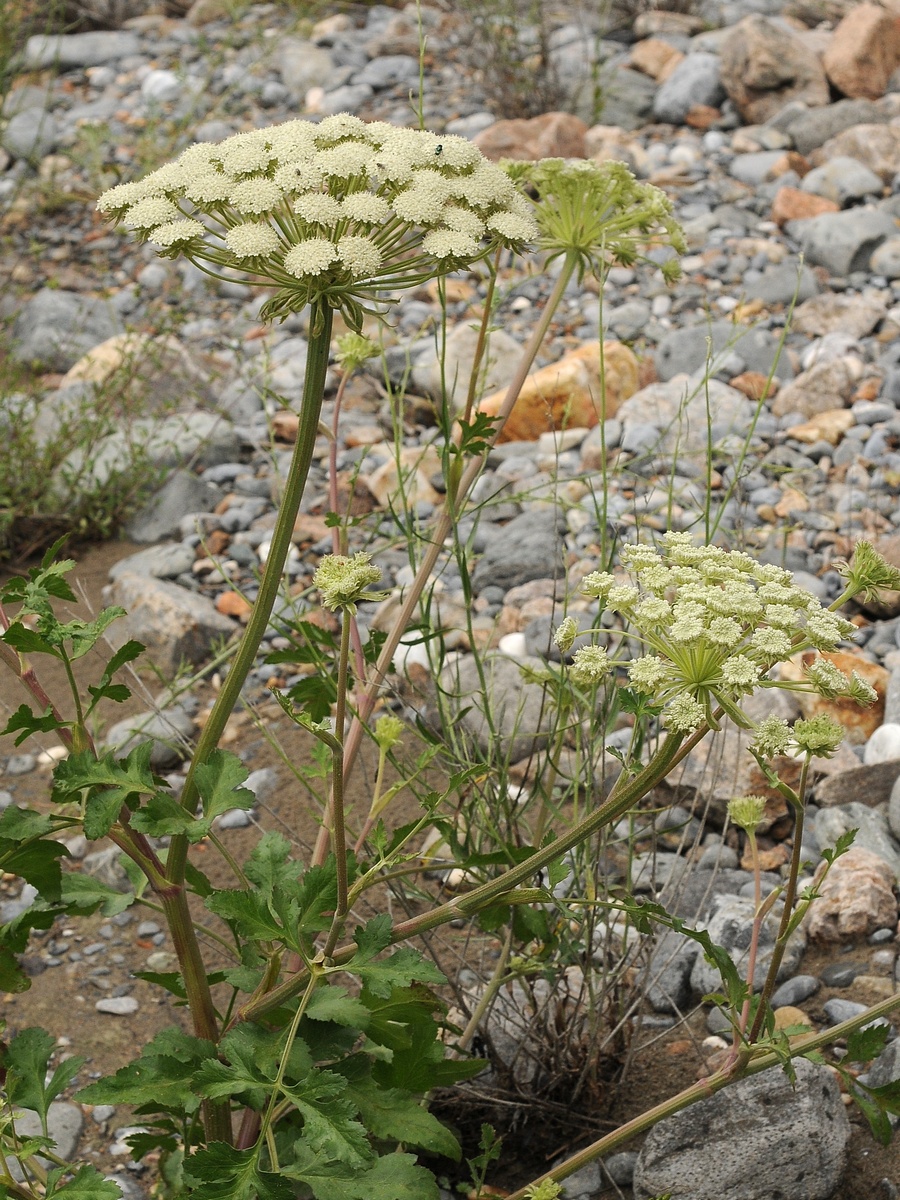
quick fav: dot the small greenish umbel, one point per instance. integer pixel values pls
(746, 812)
(344, 580)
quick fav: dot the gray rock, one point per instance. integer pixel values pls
(699, 892)
(886, 259)
(883, 745)
(755, 1140)
(810, 128)
(520, 718)
(666, 979)
(627, 321)
(696, 80)
(795, 990)
(117, 1006)
(754, 167)
(79, 49)
(842, 179)
(161, 87)
(873, 832)
(31, 134)
(11, 909)
(169, 730)
(894, 809)
(55, 328)
(685, 351)
(779, 284)
(20, 764)
(842, 242)
(165, 561)
(870, 785)
(182, 493)
(235, 818)
(640, 437)
(730, 927)
(174, 624)
(65, 1122)
(349, 98)
(530, 548)
(262, 783)
(388, 71)
(627, 99)
(679, 408)
(837, 1010)
(886, 1067)
(303, 65)
(502, 358)
(841, 974)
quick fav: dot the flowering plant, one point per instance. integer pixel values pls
(339, 211)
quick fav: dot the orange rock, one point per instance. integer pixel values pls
(233, 604)
(215, 542)
(570, 392)
(309, 528)
(859, 723)
(829, 426)
(754, 385)
(869, 388)
(702, 116)
(791, 501)
(653, 55)
(553, 135)
(863, 52)
(285, 425)
(412, 484)
(790, 204)
(769, 860)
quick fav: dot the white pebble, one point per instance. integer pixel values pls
(117, 1006)
(513, 645)
(883, 745)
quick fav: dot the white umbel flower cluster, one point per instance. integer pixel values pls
(714, 622)
(341, 210)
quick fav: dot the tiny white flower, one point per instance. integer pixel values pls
(597, 583)
(782, 616)
(512, 225)
(740, 671)
(318, 208)
(210, 187)
(176, 233)
(446, 243)
(773, 643)
(147, 214)
(684, 714)
(646, 673)
(299, 177)
(338, 126)
(255, 196)
(724, 631)
(359, 255)
(366, 207)
(346, 160)
(590, 665)
(311, 257)
(463, 220)
(120, 197)
(252, 239)
(244, 153)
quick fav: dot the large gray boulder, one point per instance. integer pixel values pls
(55, 328)
(842, 242)
(755, 1140)
(731, 927)
(696, 80)
(684, 351)
(176, 626)
(79, 49)
(529, 547)
(505, 716)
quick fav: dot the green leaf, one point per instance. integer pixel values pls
(251, 1056)
(220, 1172)
(390, 1177)
(402, 968)
(330, 1127)
(393, 1114)
(160, 1080)
(88, 892)
(249, 914)
(18, 824)
(867, 1043)
(219, 782)
(27, 641)
(106, 689)
(36, 862)
(314, 694)
(25, 720)
(27, 1064)
(318, 896)
(335, 1004)
(86, 1184)
(874, 1113)
(81, 635)
(111, 783)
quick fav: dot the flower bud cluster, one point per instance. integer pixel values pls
(340, 210)
(713, 623)
(343, 581)
(599, 213)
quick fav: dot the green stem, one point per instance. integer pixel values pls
(313, 387)
(790, 895)
(668, 755)
(336, 808)
(700, 1091)
(441, 531)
